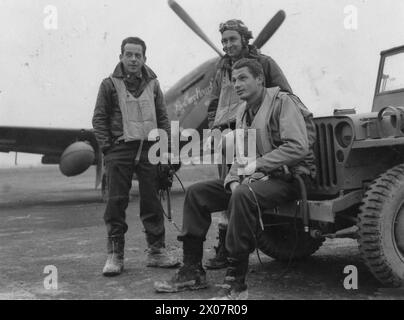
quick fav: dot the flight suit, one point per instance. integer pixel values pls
(283, 138)
(224, 100)
(124, 115)
(222, 110)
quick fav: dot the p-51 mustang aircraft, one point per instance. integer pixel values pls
(75, 150)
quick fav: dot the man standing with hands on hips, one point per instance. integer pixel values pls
(129, 105)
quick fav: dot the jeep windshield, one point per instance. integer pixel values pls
(393, 73)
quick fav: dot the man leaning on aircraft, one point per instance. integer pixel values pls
(129, 105)
(224, 101)
(262, 184)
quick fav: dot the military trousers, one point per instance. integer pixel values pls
(121, 164)
(204, 198)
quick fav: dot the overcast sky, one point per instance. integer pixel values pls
(50, 77)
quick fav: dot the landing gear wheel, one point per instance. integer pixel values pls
(381, 227)
(285, 243)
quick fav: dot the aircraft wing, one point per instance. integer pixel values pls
(46, 141)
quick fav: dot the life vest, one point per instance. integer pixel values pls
(138, 114)
(261, 123)
(228, 104)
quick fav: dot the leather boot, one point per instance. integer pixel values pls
(234, 286)
(191, 276)
(114, 263)
(161, 258)
(219, 261)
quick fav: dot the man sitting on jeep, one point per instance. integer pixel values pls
(285, 136)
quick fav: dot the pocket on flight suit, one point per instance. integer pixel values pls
(145, 110)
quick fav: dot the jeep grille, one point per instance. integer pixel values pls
(325, 155)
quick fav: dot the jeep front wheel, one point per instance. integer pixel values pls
(381, 227)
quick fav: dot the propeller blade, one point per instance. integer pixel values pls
(99, 170)
(270, 29)
(191, 24)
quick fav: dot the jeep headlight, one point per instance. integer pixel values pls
(344, 134)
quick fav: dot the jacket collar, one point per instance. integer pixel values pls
(250, 52)
(147, 73)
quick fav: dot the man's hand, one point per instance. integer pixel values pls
(234, 185)
(249, 169)
(106, 149)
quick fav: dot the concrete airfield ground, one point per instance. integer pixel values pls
(48, 219)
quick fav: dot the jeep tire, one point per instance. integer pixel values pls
(381, 227)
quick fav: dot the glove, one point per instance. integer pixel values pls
(234, 185)
(165, 175)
